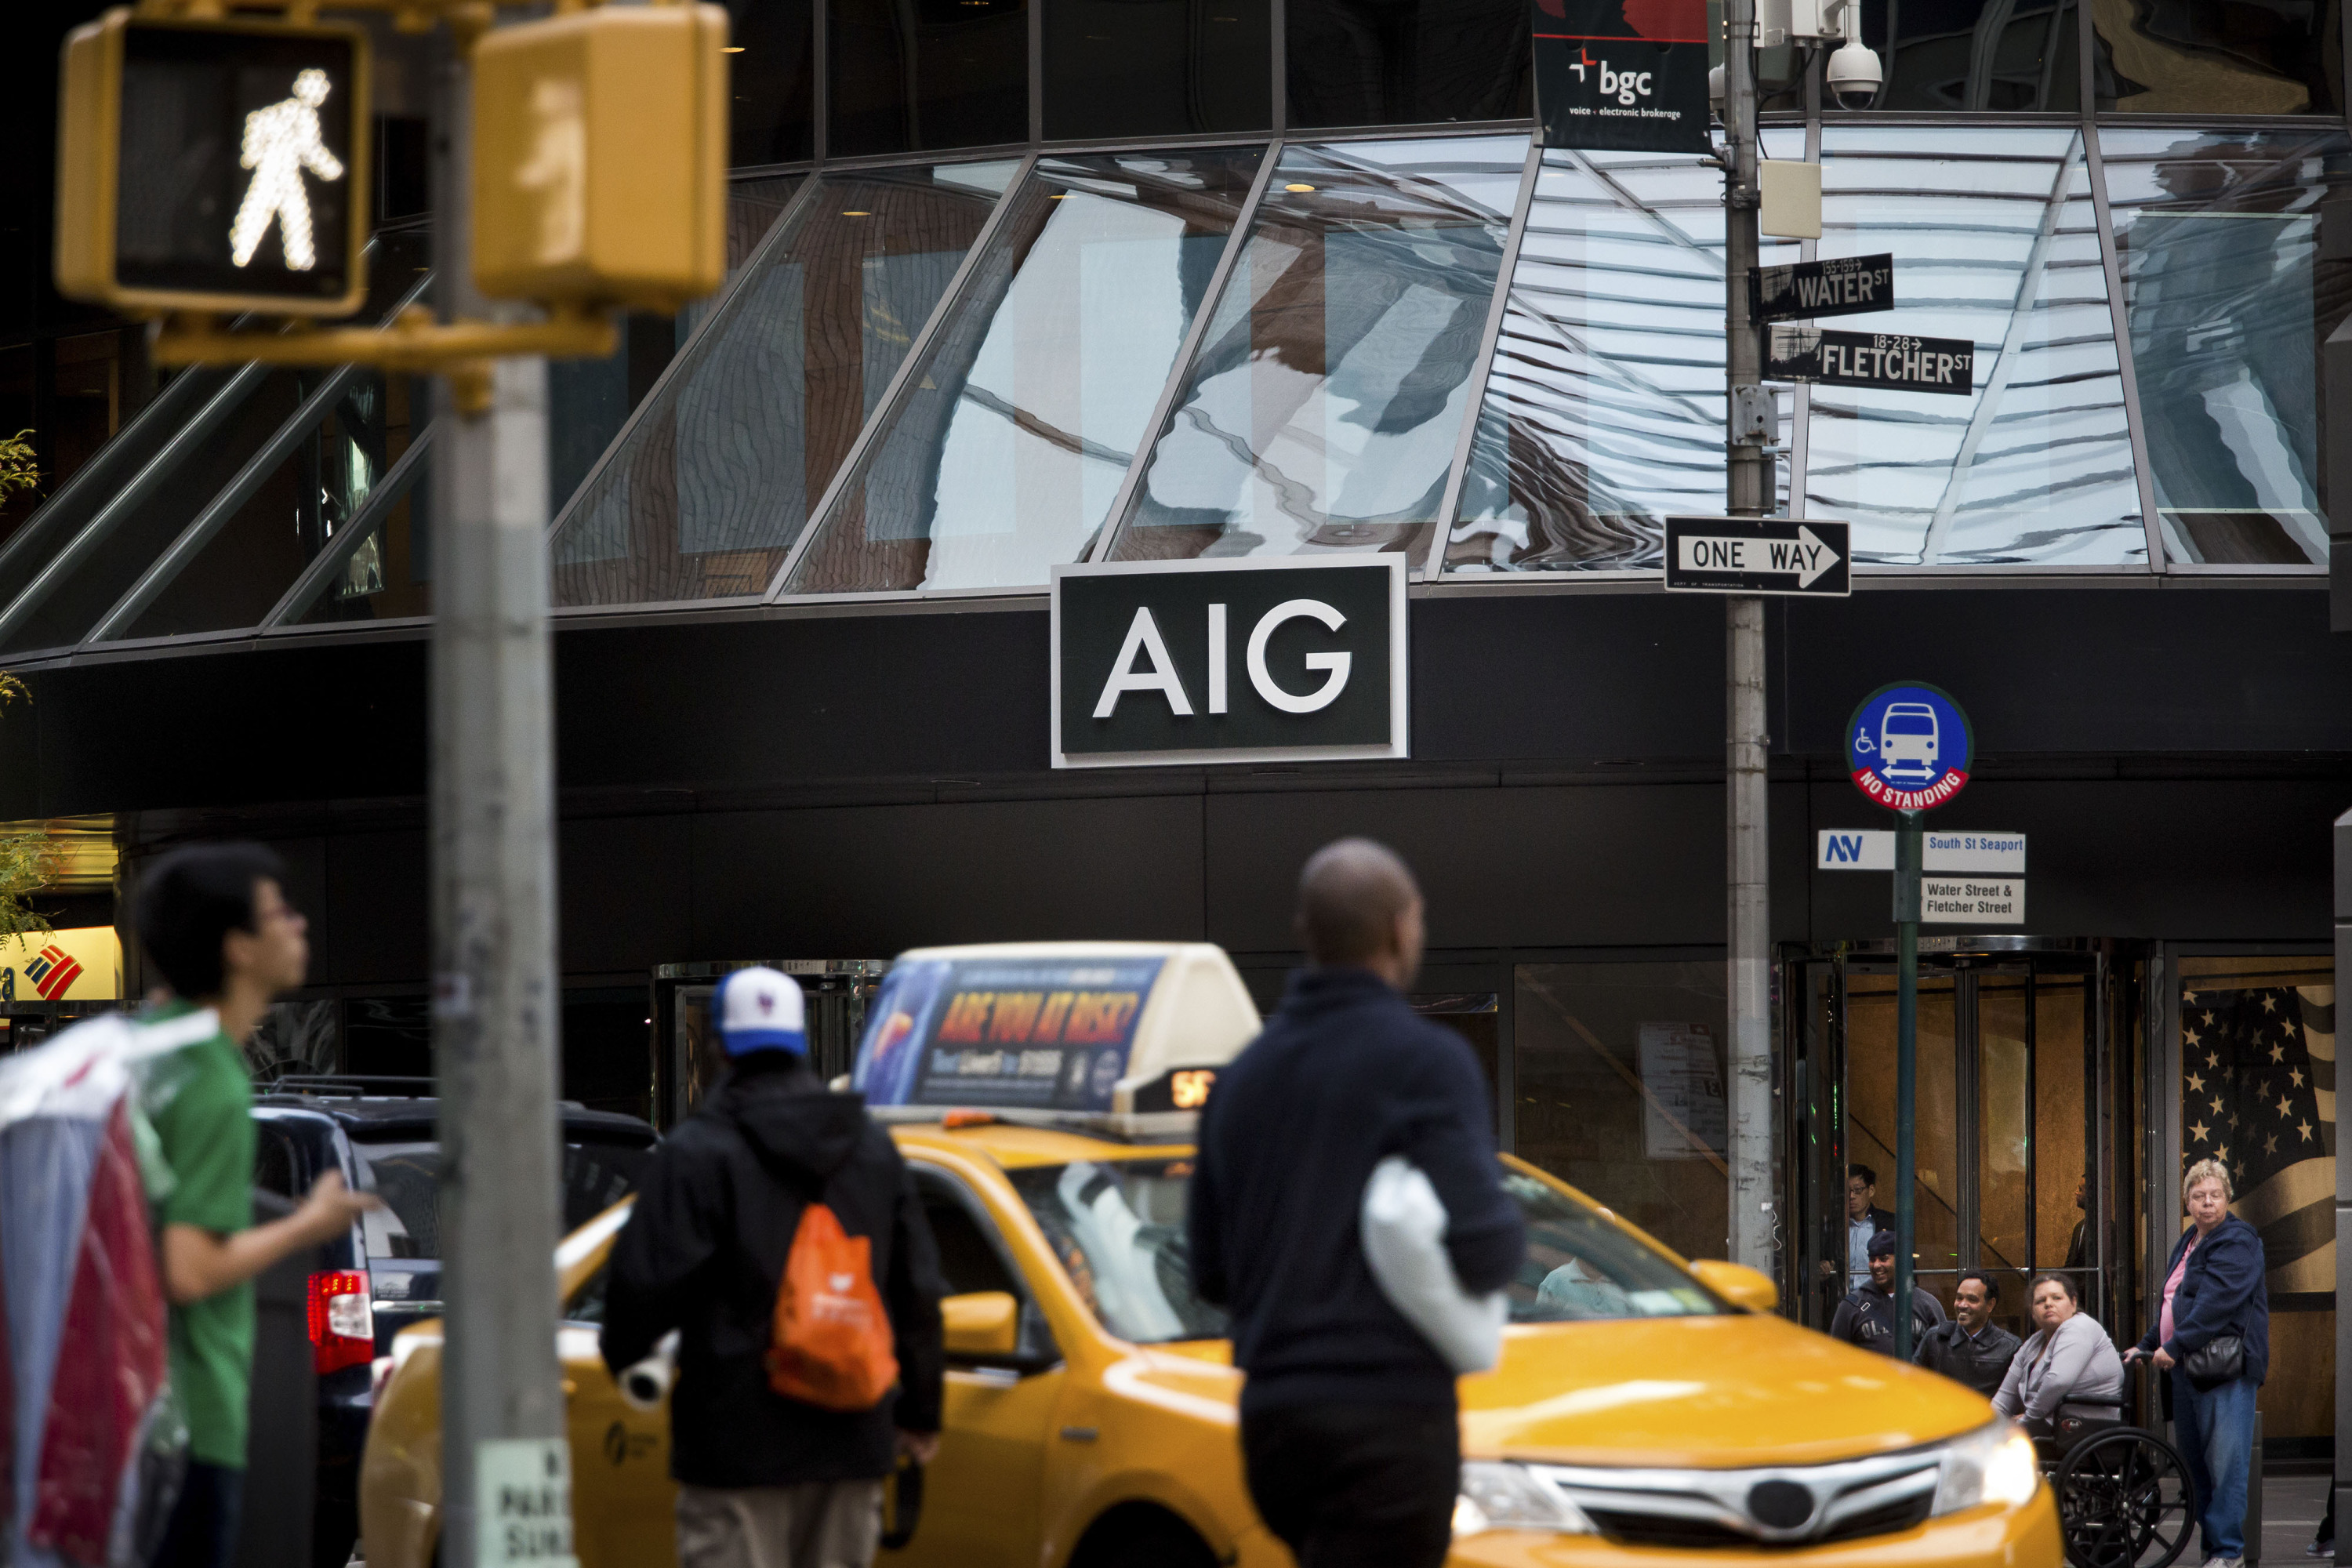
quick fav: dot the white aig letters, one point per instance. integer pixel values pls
(1145, 657)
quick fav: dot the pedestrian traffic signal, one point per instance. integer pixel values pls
(213, 166)
(600, 157)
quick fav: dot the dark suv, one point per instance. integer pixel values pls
(365, 1287)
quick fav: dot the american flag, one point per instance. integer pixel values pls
(2258, 1093)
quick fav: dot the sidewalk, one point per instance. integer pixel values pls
(2291, 1509)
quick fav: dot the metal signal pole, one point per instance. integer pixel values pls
(495, 995)
(1747, 493)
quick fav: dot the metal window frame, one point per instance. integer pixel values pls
(2127, 367)
(388, 492)
(886, 408)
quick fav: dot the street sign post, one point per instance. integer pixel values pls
(1889, 362)
(1908, 747)
(1757, 555)
(1836, 286)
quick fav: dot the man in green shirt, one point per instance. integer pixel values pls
(216, 924)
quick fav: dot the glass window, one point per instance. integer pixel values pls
(2228, 302)
(772, 89)
(1157, 68)
(708, 490)
(910, 76)
(1406, 62)
(2205, 56)
(1999, 247)
(2000, 55)
(1010, 446)
(407, 1177)
(1603, 414)
(1323, 409)
(1619, 1079)
(1582, 1268)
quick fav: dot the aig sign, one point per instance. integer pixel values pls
(1229, 661)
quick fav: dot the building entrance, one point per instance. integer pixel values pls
(2010, 1136)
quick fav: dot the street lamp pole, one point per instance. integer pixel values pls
(1747, 493)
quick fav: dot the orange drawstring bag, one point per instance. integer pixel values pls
(832, 1345)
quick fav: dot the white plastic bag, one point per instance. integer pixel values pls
(1404, 1223)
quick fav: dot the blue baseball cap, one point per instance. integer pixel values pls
(758, 1010)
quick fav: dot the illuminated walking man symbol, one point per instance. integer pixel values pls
(281, 142)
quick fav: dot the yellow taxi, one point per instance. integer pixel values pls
(1646, 1409)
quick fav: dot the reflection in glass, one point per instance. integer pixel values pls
(910, 76)
(1013, 442)
(1156, 67)
(1603, 414)
(1324, 407)
(2000, 249)
(2005, 1142)
(1871, 1112)
(1406, 62)
(771, 90)
(2208, 57)
(2062, 1184)
(1618, 1090)
(713, 483)
(2000, 54)
(2229, 303)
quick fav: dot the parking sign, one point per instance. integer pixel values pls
(1908, 746)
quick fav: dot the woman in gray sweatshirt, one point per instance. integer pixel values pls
(2069, 1359)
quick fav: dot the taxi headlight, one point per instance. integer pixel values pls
(1992, 1464)
(1498, 1495)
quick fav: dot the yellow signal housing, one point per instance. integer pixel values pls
(600, 157)
(212, 165)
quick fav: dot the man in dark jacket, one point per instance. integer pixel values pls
(764, 1479)
(1867, 1317)
(1972, 1348)
(1348, 1424)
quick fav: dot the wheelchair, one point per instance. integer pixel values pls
(2123, 1493)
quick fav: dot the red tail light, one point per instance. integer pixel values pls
(342, 1321)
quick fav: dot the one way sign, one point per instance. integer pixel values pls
(1757, 555)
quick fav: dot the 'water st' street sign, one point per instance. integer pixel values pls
(1837, 285)
(1891, 362)
(1907, 747)
(1757, 555)
(1972, 901)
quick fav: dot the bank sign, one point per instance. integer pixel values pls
(1283, 659)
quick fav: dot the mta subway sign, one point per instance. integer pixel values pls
(1908, 747)
(1226, 661)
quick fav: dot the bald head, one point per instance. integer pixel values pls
(1357, 906)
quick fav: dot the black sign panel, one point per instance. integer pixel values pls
(1202, 661)
(1841, 286)
(1622, 74)
(1757, 555)
(1889, 360)
(239, 161)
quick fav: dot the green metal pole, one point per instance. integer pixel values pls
(1906, 1066)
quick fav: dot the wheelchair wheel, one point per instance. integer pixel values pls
(2123, 1501)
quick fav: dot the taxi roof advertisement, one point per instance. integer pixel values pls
(1042, 1033)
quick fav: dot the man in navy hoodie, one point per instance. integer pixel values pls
(1349, 1425)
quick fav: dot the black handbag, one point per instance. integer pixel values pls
(2219, 1359)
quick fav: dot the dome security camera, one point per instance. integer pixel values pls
(1853, 75)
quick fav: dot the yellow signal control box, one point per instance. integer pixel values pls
(217, 165)
(600, 157)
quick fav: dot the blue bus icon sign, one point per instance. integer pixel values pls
(1908, 746)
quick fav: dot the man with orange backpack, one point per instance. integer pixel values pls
(778, 1233)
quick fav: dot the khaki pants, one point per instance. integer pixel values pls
(816, 1524)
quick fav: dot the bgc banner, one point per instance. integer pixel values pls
(1047, 1033)
(1627, 75)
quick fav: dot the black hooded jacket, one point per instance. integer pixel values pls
(705, 1248)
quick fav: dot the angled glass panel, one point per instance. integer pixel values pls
(1603, 414)
(1998, 247)
(705, 495)
(2229, 302)
(259, 543)
(1012, 442)
(1326, 402)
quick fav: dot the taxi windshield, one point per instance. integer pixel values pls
(1117, 1227)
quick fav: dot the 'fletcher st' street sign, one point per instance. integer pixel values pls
(1839, 285)
(1757, 555)
(1889, 360)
